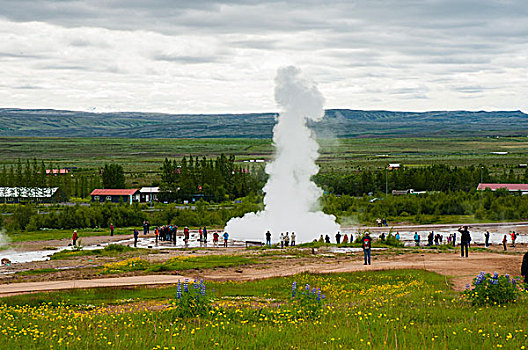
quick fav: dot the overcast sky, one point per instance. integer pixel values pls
(204, 56)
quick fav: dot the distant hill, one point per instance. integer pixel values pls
(337, 123)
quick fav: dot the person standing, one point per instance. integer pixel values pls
(504, 241)
(226, 237)
(111, 229)
(200, 232)
(486, 238)
(430, 238)
(136, 235)
(378, 221)
(465, 240)
(513, 237)
(293, 239)
(397, 236)
(282, 240)
(338, 237)
(145, 227)
(366, 243)
(417, 239)
(524, 268)
(156, 233)
(287, 239)
(148, 227)
(454, 239)
(215, 239)
(268, 238)
(205, 234)
(74, 238)
(345, 239)
(186, 236)
(174, 233)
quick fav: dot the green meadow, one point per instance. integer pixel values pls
(397, 309)
(144, 155)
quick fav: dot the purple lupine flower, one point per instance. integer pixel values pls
(185, 288)
(202, 289)
(314, 291)
(480, 278)
(178, 290)
(294, 289)
(319, 295)
(495, 275)
(195, 284)
(307, 287)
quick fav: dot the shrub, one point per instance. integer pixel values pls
(493, 290)
(191, 301)
(390, 240)
(118, 248)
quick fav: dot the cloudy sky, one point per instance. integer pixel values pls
(204, 56)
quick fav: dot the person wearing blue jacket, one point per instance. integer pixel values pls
(226, 237)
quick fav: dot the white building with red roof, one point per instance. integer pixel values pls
(115, 195)
(523, 188)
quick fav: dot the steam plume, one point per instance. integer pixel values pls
(291, 199)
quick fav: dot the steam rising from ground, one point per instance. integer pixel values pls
(4, 240)
(291, 199)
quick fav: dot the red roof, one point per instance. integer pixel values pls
(113, 192)
(57, 171)
(509, 187)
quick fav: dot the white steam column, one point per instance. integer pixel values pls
(291, 199)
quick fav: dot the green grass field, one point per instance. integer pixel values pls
(367, 310)
(144, 155)
(46, 235)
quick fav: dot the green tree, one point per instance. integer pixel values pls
(113, 176)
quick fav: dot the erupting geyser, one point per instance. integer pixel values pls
(291, 199)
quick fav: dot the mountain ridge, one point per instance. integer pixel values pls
(337, 123)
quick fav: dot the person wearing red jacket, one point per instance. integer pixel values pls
(74, 238)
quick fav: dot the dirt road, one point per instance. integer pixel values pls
(32, 287)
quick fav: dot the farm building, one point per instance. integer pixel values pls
(57, 171)
(148, 194)
(31, 194)
(115, 195)
(523, 188)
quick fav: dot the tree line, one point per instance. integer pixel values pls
(437, 177)
(29, 218)
(429, 207)
(210, 179)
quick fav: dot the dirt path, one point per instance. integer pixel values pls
(460, 271)
(33, 287)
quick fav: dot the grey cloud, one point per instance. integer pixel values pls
(469, 89)
(461, 48)
(264, 44)
(185, 58)
(14, 55)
